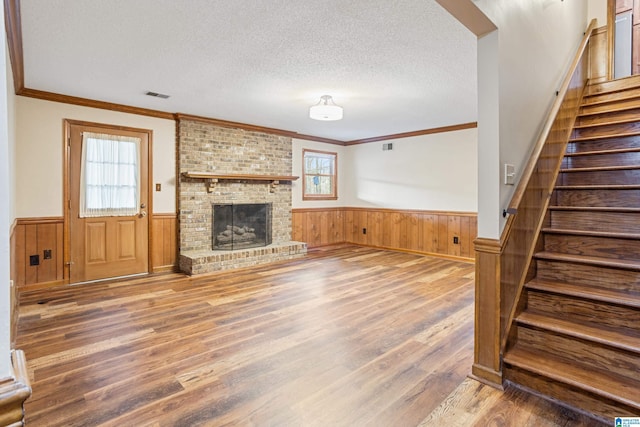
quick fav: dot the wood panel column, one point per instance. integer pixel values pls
(486, 363)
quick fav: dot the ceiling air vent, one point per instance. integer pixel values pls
(157, 95)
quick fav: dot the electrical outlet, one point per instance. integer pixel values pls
(47, 254)
(455, 240)
(34, 260)
(364, 231)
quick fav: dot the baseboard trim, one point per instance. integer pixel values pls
(487, 376)
(409, 251)
(43, 285)
(14, 392)
(166, 269)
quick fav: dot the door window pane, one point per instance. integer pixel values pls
(109, 175)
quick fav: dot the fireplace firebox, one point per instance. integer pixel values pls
(241, 226)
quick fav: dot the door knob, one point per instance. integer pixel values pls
(143, 214)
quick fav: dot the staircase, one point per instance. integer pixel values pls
(576, 338)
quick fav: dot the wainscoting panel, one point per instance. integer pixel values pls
(165, 238)
(318, 227)
(431, 232)
(34, 236)
(42, 238)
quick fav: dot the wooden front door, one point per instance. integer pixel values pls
(106, 243)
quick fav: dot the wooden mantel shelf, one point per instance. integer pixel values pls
(244, 177)
(214, 178)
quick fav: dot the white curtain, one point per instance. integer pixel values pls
(109, 175)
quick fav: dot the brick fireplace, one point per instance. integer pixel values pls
(205, 148)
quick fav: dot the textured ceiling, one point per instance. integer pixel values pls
(395, 66)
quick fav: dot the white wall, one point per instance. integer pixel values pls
(6, 130)
(39, 152)
(536, 43)
(298, 145)
(598, 9)
(430, 172)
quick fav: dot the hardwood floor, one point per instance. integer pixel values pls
(347, 336)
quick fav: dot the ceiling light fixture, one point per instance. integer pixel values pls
(325, 109)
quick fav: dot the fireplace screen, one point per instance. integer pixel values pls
(241, 226)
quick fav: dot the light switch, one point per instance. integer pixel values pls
(509, 174)
(158, 187)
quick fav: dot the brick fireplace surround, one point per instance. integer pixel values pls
(205, 147)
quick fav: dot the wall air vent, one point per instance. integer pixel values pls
(157, 95)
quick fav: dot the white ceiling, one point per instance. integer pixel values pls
(395, 66)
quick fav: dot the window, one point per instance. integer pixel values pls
(109, 175)
(319, 174)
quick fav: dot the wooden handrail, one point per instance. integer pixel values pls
(531, 198)
(544, 134)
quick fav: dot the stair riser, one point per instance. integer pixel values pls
(617, 177)
(597, 198)
(604, 144)
(589, 276)
(611, 87)
(614, 105)
(604, 247)
(602, 160)
(608, 117)
(579, 310)
(587, 353)
(603, 409)
(607, 130)
(596, 221)
(611, 96)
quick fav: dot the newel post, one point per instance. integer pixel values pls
(486, 365)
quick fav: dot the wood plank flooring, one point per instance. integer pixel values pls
(348, 336)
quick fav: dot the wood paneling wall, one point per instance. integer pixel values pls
(164, 242)
(32, 236)
(598, 59)
(502, 267)
(430, 232)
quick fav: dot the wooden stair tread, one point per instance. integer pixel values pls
(625, 264)
(616, 209)
(605, 384)
(600, 168)
(589, 233)
(587, 103)
(606, 136)
(608, 101)
(599, 187)
(612, 86)
(596, 294)
(599, 152)
(608, 123)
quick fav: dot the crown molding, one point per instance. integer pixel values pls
(442, 129)
(13, 26)
(92, 103)
(254, 128)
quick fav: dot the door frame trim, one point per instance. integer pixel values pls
(66, 146)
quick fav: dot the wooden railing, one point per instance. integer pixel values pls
(531, 198)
